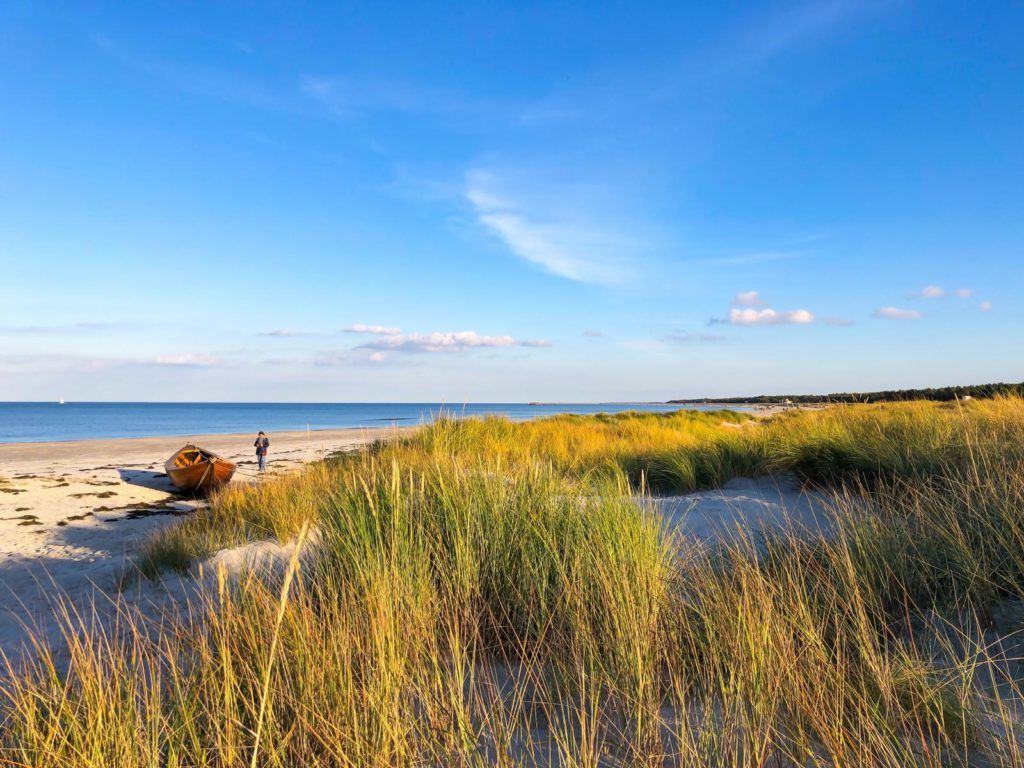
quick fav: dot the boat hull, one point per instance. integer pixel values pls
(194, 469)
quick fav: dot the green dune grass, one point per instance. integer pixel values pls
(490, 593)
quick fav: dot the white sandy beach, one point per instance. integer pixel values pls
(72, 513)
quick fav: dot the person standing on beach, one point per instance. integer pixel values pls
(262, 444)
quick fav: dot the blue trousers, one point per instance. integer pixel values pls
(262, 459)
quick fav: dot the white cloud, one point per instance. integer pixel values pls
(381, 330)
(895, 313)
(747, 299)
(571, 250)
(750, 309)
(187, 360)
(391, 340)
(459, 341)
(985, 306)
(769, 316)
(928, 292)
(964, 293)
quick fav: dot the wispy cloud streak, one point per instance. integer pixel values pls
(571, 250)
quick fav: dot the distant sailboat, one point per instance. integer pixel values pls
(61, 401)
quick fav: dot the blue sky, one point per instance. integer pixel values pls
(508, 201)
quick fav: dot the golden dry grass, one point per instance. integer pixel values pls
(488, 593)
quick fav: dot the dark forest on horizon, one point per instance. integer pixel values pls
(940, 394)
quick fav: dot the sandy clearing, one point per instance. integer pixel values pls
(748, 507)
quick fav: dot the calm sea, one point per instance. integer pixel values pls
(36, 422)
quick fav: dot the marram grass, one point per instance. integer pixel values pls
(489, 593)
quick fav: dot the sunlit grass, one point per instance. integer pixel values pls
(490, 593)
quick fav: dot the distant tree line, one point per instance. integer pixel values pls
(941, 394)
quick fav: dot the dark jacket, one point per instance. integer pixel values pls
(262, 443)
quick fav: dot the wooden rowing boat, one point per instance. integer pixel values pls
(195, 469)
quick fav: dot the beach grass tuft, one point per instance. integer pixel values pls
(484, 592)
